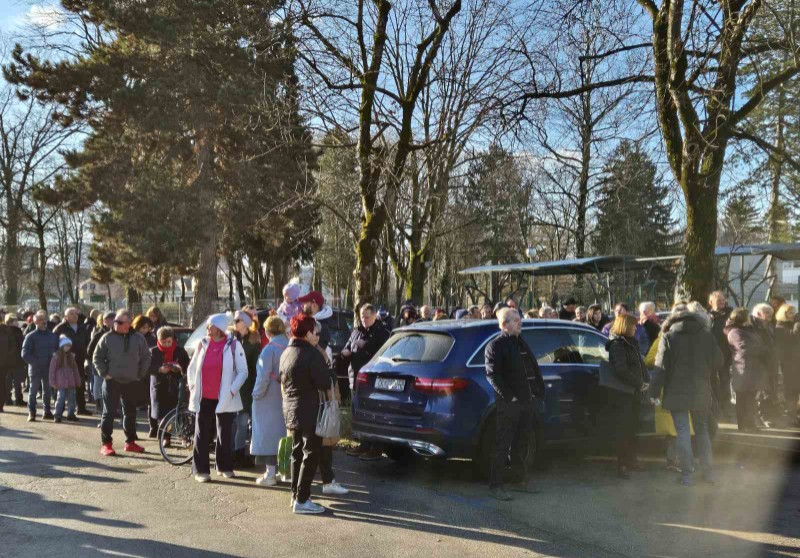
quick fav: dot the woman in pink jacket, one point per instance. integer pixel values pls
(64, 378)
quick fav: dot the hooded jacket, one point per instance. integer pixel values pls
(748, 355)
(688, 357)
(124, 357)
(323, 317)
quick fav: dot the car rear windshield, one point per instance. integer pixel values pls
(415, 346)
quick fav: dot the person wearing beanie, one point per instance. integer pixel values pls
(64, 378)
(303, 374)
(290, 306)
(217, 372)
(122, 359)
(314, 305)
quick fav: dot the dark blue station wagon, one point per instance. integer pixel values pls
(426, 389)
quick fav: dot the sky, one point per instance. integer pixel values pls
(13, 13)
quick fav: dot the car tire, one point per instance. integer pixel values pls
(399, 454)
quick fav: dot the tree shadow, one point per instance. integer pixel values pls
(19, 434)
(27, 520)
(56, 466)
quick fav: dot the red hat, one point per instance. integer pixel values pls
(315, 297)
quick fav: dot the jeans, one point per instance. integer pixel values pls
(39, 383)
(514, 424)
(684, 443)
(65, 395)
(306, 449)
(97, 392)
(113, 392)
(240, 430)
(203, 432)
(80, 391)
(746, 409)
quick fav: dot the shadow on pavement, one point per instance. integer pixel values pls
(27, 520)
(56, 466)
(20, 434)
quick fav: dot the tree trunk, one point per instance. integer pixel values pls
(134, 300)
(12, 263)
(205, 278)
(417, 275)
(775, 213)
(108, 296)
(42, 271)
(696, 276)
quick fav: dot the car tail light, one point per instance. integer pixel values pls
(440, 386)
(361, 379)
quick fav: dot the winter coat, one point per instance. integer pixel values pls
(164, 387)
(234, 375)
(565, 314)
(267, 412)
(640, 335)
(719, 320)
(688, 357)
(364, 343)
(65, 377)
(12, 361)
(627, 364)
(124, 357)
(748, 357)
(79, 338)
(787, 341)
(510, 366)
(324, 317)
(97, 334)
(37, 350)
(766, 333)
(251, 352)
(303, 373)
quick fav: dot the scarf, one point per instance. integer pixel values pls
(168, 352)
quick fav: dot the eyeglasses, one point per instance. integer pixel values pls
(120, 322)
(237, 321)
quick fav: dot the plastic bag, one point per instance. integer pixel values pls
(328, 422)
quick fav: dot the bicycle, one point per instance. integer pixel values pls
(176, 433)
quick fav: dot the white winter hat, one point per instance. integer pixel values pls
(63, 341)
(219, 321)
(244, 317)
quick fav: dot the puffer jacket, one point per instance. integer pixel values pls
(303, 374)
(234, 374)
(37, 350)
(749, 355)
(64, 377)
(787, 340)
(688, 357)
(629, 368)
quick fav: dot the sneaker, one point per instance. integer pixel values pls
(371, 455)
(334, 488)
(133, 447)
(499, 493)
(72, 418)
(357, 452)
(226, 474)
(31, 417)
(202, 477)
(107, 450)
(19, 403)
(266, 481)
(57, 420)
(307, 507)
(47, 416)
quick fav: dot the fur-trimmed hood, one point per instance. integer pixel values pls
(685, 321)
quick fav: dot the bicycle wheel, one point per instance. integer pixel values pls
(176, 437)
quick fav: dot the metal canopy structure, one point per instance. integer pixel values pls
(597, 266)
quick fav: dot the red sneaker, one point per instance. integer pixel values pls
(133, 447)
(107, 450)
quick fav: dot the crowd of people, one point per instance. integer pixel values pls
(250, 383)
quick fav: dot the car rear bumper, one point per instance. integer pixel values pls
(427, 444)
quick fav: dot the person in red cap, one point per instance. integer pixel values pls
(314, 306)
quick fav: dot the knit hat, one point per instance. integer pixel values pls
(315, 297)
(63, 341)
(292, 290)
(219, 321)
(244, 317)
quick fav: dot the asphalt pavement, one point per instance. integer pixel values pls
(60, 498)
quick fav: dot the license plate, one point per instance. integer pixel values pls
(390, 384)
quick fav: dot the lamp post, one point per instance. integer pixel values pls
(531, 253)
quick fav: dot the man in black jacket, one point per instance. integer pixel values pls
(79, 336)
(720, 312)
(510, 367)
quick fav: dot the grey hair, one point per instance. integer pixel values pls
(763, 308)
(678, 308)
(506, 314)
(697, 309)
(648, 306)
(124, 312)
(41, 314)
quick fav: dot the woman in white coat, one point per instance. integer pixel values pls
(216, 373)
(268, 423)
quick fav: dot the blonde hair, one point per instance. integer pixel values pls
(739, 317)
(159, 314)
(624, 326)
(781, 316)
(763, 309)
(10, 319)
(275, 326)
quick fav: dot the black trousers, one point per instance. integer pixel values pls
(306, 451)
(204, 423)
(624, 408)
(3, 375)
(514, 425)
(80, 391)
(724, 387)
(326, 464)
(113, 393)
(746, 409)
(17, 380)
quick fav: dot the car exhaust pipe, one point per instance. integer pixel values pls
(425, 449)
